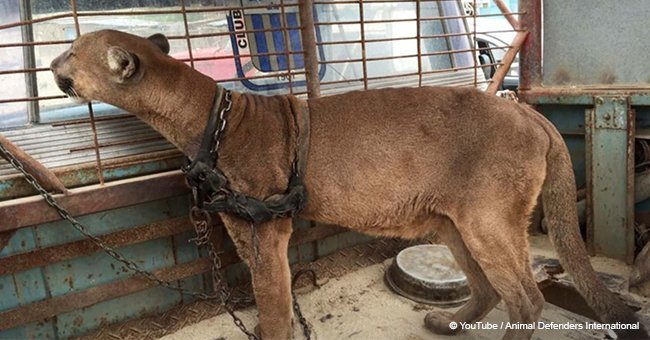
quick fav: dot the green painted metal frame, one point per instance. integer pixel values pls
(609, 134)
(58, 285)
(609, 137)
(54, 283)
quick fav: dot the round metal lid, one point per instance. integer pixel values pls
(428, 274)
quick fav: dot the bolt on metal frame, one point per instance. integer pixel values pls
(28, 212)
(608, 110)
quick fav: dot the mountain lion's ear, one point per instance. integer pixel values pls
(161, 41)
(122, 63)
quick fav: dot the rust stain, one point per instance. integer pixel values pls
(5, 237)
(40, 310)
(93, 199)
(42, 174)
(70, 282)
(608, 77)
(562, 77)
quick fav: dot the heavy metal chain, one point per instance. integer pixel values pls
(222, 291)
(306, 330)
(97, 241)
(202, 223)
(203, 226)
(218, 133)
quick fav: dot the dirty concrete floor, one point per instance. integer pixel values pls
(359, 305)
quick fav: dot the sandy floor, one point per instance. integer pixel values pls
(360, 306)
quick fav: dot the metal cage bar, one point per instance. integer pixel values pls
(92, 199)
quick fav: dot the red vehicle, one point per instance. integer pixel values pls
(217, 63)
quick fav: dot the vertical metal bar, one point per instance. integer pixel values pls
(98, 158)
(187, 33)
(75, 17)
(308, 35)
(362, 31)
(474, 56)
(630, 243)
(589, 218)
(610, 181)
(419, 40)
(445, 30)
(287, 43)
(530, 57)
(29, 61)
(91, 113)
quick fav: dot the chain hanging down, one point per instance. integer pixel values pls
(211, 191)
(203, 226)
(223, 294)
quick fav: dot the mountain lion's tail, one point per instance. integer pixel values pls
(559, 195)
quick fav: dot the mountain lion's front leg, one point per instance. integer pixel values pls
(270, 272)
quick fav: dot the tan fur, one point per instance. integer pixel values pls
(395, 162)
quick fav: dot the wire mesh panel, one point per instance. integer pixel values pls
(266, 47)
(245, 46)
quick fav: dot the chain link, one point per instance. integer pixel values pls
(222, 126)
(203, 231)
(203, 227)
(49, 199)
(203, 234)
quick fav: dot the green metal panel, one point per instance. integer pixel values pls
(64, 277)
(557, 96)
(84, 272)
(610, 177)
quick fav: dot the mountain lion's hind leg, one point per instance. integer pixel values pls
(497, 241)
(483, 298)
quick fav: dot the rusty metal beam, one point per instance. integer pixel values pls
(530, 58)
(609, 140)
(508, 58)
(33, 210)
(32, 166)
(309, 46)
(85, 174)
(44, 256)
(66, 303)
(152, 231)
(44, 309)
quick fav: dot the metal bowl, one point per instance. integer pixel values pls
(428, 274)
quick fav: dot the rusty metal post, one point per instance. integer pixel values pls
(308, 35)
(508, 58)
(187, 33)
(530, 57)
(610, 177)
(287, 50)
(29, 61)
